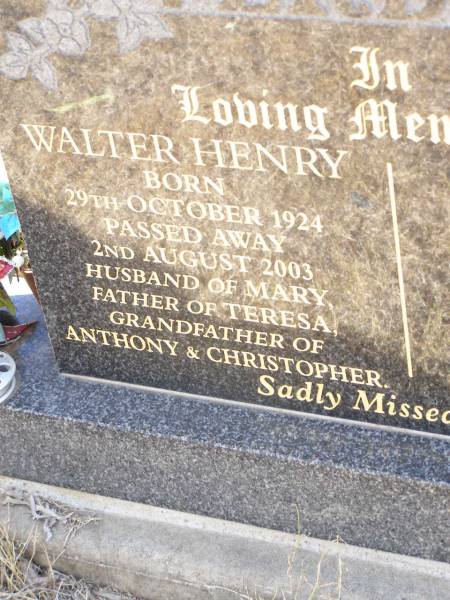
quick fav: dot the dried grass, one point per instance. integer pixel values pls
(49, 513)
(26, 569)
(21, 578)
(300, 586)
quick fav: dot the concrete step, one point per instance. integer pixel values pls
(160, 554)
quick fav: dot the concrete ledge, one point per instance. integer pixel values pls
(161, 554)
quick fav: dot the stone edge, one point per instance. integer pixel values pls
(159, 553)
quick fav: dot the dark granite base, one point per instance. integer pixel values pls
(384, 489)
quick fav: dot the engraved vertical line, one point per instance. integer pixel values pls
(401, 283)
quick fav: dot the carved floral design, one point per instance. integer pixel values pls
(373, 8)
(137, 20)
(65, 30)
(61, 29)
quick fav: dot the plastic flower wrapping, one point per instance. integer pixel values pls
(9, 222)
(12, 246)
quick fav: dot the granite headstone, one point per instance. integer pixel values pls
(242, 200)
